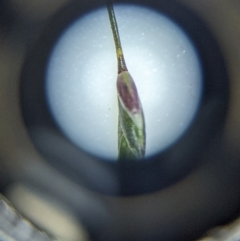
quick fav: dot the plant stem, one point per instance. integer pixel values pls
(131, 124)
(121, 61)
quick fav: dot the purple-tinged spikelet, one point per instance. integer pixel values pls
(129, 99)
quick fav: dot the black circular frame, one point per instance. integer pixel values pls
(125, 178)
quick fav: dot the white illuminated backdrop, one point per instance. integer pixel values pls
(82, 73)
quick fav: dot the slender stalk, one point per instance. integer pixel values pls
(131, 124)
(120, 57)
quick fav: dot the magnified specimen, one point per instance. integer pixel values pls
(131, 124)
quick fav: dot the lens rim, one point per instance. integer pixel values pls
(127, 178)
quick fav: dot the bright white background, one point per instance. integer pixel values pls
(82, 73)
